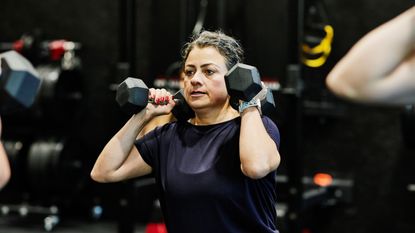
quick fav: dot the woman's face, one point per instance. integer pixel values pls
(204, 82)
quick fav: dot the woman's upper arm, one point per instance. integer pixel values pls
(134, 166)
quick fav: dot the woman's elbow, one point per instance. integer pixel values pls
(257, 170)
(341, 86)
(335, 84)
(99, 176)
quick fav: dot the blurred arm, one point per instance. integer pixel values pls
(380, 68)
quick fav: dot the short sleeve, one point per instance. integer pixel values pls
(272, 130)
(148, 146)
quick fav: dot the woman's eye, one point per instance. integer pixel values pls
(209, 72)
(188, 72)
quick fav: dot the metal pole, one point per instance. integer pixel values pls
(127, 38)
(292, 92)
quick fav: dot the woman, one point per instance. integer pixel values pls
(214, 173)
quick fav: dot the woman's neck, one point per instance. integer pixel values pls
(214, 117)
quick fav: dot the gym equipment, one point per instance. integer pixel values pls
(51, 213)
(54, 168)
(182, 111)
(132, 96)
(39, 51)
(47, 91)
(243, 82)
(28, 45)
(40, 93)
(316, 56)
(49, 173)
(19, 81)
(60, 94)
(318, 35)
(321, 188)
(268, 103)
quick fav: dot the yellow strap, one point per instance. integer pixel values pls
(324, 48)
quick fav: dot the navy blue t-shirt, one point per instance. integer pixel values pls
(201, 186)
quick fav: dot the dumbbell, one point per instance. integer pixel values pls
(19, 81)
(243, 82)
(132, 96)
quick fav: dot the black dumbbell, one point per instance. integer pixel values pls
(132, 96)
(243, 82)
(19, 81)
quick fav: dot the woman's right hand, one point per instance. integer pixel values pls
(160, 102)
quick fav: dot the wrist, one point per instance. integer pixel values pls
(142, 116)
(254, 103)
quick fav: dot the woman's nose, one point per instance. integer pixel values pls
(197, 78)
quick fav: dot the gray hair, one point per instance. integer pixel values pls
(227, 46)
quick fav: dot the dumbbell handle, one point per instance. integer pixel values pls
(181, 110)
(178, 101)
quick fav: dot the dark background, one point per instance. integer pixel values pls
(355, 141)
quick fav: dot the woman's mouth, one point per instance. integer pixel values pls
(197, 93)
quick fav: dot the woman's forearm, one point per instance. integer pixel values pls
(116, 151)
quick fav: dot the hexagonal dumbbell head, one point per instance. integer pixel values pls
(182, 110)
(18, 79)
(243, 82)
(132, 95)
(268, 103)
